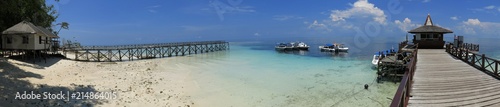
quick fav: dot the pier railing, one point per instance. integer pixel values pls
(142, 51)
(135, 46)
(469, 46)
(402, 95)
(468, 53)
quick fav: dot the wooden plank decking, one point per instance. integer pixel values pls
(442, 80)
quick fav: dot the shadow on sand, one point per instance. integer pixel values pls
(11, 83)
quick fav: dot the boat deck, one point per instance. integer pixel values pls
(442, 80)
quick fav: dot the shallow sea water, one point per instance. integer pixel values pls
(253, 74)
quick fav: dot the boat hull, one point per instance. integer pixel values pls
(375, 61)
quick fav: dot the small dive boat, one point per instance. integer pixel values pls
(376, 58)
(334, 48)
(379, 55)
(301, 46)
(327, 47)
(290, 46)
(341, 47)
(280, 46)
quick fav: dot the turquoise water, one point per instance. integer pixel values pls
(252, 75)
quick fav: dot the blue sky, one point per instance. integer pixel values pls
(103, 22)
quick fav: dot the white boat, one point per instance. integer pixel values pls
(334, 48)
(376, 58)
(280, 47)
(327, 47)
(341, 48)
(302, 46)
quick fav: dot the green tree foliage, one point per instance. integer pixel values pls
(34, 11)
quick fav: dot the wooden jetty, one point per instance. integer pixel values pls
(142, 51)
(449, 77)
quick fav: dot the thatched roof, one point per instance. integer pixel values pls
(25, 27)
(429, 27)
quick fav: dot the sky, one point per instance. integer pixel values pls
(106, 22)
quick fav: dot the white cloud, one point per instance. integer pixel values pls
(475, 26)
(222, 8)
(489, 7)
(406, 25)
(285, 17)
(361, 8)
(319, 26)
(472, 22)
(153, 9)
(256, 34)
(454, 18)
(425, 1)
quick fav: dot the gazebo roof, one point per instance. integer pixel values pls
(429, 27)
(25, 27)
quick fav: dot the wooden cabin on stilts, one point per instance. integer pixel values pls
(429, 36)
(28, 41)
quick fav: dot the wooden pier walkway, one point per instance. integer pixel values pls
(443, 80)
(142, 51)
(449, 77)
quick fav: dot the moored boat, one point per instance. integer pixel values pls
(302, 46)
(376, 58)
(327, 47)
(334, 48)
(280, 46)
(341, 48)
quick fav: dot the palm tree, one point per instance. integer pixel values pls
(64, 25)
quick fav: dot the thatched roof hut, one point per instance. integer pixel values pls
(429, 35)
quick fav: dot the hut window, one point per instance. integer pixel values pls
(39, 39)
(25, 40)
(9, 40)
(424, 36)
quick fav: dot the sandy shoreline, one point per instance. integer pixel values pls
(137, 83)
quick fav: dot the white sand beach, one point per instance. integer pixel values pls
(137, 83)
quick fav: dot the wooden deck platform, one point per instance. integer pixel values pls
(442, 80)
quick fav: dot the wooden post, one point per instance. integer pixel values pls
(482, 64)
(496, 67)
(129, 55)
(467, 56)
(147, 53)
(183, 50)
(477, 49)
(120, 54)
(98, 55)
(460, 54)
(474, 59)
(189, 49)
(87, 54)
(76, 54)
(447, 47)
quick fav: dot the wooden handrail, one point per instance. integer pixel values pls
(480, 61)
(134, 46)
(402, 95)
